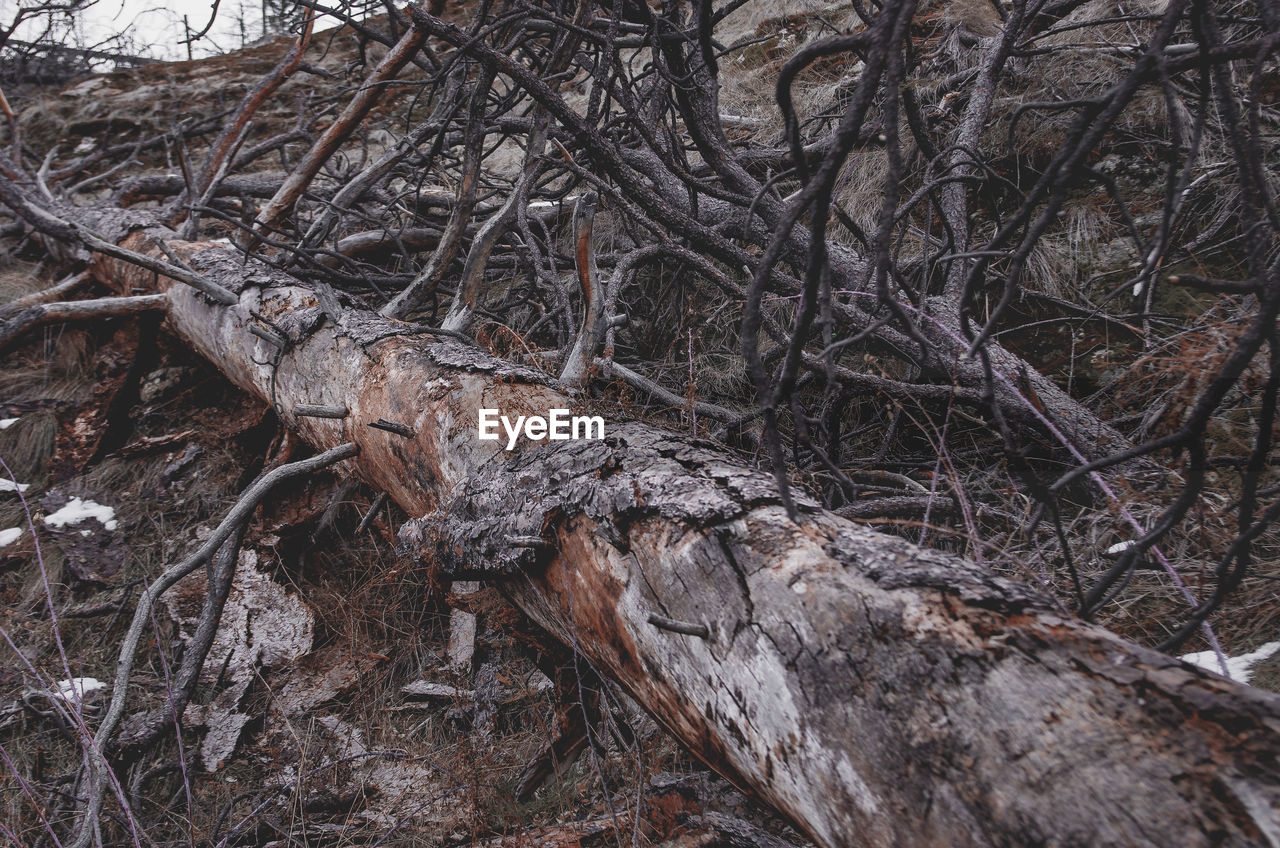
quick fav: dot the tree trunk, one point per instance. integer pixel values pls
(874, 692)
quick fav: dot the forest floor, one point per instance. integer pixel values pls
(306, 726)
(303, 730)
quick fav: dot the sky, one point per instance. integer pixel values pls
(157, 24)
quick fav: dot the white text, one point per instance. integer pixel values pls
(557, 426)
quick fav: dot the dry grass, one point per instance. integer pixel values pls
(18, 278)
(761, 40)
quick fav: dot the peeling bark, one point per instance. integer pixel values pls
(461, 648)
(873, 691)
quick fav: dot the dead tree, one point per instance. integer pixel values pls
(870, 689)
(867, 688)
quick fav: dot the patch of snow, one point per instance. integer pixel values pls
(86, 533)
(77, 510)
(10, 486)
(76, 688)
(539, 208)
(8, 537)
(1238, 668)
(6, 423)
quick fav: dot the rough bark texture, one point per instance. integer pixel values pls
(875, 692)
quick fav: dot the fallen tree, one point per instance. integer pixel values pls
(873, 691)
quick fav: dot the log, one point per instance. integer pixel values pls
(874, 692)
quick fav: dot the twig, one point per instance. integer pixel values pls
(45, 295)
(79, 310)
(235, 519)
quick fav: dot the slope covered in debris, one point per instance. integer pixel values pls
(1016, 279)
